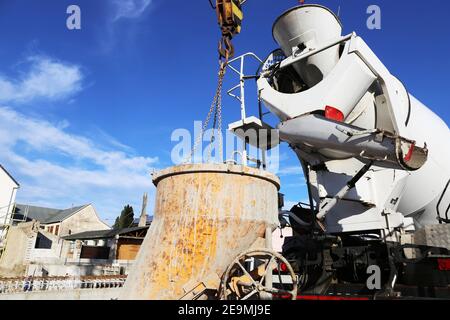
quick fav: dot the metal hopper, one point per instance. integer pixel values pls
(205, 216)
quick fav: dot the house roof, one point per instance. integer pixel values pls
(63, 214)
(9, 175)
(102, 234)
(44, 215)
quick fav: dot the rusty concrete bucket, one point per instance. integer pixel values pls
(205, 215)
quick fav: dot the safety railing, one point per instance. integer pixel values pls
(29, 284)
(240, 97)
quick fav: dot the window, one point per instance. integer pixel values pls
(57, 230)
(50, 229)
(72, 246)
(42, 242)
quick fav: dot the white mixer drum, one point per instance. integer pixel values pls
(318, 26)
(426, 186)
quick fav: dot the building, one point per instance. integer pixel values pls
(98, 252)
(118, 246)
(8, 191)
(61, 222)
(35, 243)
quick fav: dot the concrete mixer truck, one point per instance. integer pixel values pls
(377, 169)
(375, 159)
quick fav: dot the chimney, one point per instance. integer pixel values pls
(143, 218)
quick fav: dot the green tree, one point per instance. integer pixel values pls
(126, 218)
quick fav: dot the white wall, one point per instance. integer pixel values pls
(84, 220)
(80, 294)
(80, 267)
(37, 255)
(7, 198)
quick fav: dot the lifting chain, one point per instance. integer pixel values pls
(216, 108)
(229, 16)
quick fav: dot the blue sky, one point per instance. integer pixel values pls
(85, 115)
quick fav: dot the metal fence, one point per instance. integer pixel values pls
(28, 284)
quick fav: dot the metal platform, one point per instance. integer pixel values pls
(265, 138)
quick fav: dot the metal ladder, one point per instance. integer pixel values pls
(438, 205)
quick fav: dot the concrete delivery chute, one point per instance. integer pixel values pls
(376, 163)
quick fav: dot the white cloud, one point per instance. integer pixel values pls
(121, 24)
(291, 170)
(295, 185)
(46, 78)
(130, 9)
(107, 139)
(57, 168)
